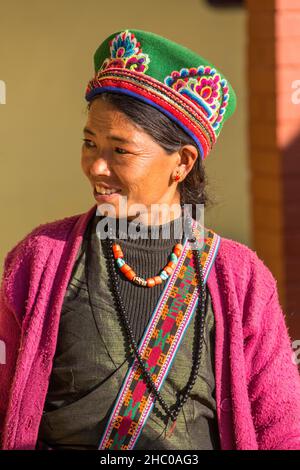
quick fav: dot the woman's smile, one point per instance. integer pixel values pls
(106, 197)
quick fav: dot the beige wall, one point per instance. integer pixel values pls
(46, 59)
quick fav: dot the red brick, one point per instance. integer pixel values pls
(287, 5)
(287, 24)
(292, 269)
(287, 51)
(287, 132)
(295, 86)
(291, 193)
(286, 77)
(292, 243)
(293, 249)
(274, 138)
(290, 160)
(293, 293)
(293, 290)
(292, 218)
(293, 320)
(285, 108)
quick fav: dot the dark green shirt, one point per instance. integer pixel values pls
(92, 358)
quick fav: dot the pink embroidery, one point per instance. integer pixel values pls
(126, 53)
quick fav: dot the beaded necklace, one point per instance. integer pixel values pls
(182, 396)
(150, 281)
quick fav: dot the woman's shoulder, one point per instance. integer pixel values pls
(41, 239)
(37, 252)
(245, 267)
(237, 252)
(50, 229)
(240, 254)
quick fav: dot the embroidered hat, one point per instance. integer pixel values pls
(168, 76)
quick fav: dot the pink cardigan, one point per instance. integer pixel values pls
(257, 384)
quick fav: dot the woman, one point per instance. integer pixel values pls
(149, 341)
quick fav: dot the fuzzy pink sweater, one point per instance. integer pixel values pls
(257, 383)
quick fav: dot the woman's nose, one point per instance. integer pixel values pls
(99, 166)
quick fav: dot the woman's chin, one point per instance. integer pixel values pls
(116, 206)
(112, 210)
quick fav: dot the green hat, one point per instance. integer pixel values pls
(168, 76)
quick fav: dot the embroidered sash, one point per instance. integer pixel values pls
(159, 345)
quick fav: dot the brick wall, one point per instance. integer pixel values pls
(274, 141)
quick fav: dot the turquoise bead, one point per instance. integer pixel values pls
(164, 275)
(173, 258)
(120, 262)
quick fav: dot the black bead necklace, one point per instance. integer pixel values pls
(173, 411)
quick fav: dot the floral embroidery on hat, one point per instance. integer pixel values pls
(126, 53)
(205, 87)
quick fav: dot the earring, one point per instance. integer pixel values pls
(177, 177)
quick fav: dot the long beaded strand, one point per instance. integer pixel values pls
(201, 309)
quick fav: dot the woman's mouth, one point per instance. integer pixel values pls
(105, 194)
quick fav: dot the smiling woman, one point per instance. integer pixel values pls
(169, 137)
(153, 151)
(169, 338)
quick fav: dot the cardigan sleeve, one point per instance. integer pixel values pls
(274, 382)
(10, 338)
(12, 299)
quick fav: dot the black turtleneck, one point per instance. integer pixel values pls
(146, 249)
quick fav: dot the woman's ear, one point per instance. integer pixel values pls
(188, 156)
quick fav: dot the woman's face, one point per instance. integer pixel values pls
(121, 155)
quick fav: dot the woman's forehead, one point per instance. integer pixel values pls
(103, 117)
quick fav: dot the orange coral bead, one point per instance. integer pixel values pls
(150, 282)
(171, 264)
(177, 252)
(117, 251)
(179, 246)
(157, 279)
(125, 268)
(130, 274)
(168, 269)
(116, 247)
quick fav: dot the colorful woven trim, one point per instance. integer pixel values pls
(164, 98)
(159, 345)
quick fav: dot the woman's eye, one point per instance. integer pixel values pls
(88, 143)
(119, 150)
